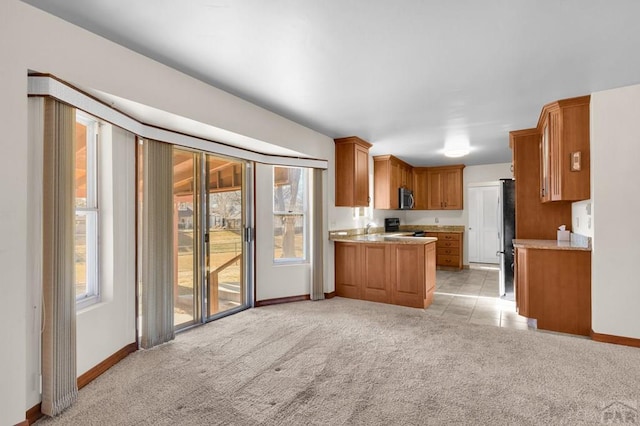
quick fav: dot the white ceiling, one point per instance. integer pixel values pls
(406, 75)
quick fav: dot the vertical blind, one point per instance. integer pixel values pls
(156, 243)
(317, 262)
(59, 386)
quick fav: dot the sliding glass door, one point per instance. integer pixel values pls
(209, 229)
(225, 230)
(186, 233)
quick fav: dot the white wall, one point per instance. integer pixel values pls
(33, 40)
(471, 175)
(581, 218)
(615, 149)
(108, 326)
(274, 280)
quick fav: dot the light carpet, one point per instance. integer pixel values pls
(350, 362)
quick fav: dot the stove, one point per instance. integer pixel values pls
(391, 224)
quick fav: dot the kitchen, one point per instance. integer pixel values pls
(438, 193)
(614, 136)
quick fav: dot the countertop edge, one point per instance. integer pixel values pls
(550, 245)
(383, 240)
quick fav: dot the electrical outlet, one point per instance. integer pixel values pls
(437, 220)
(577, 222)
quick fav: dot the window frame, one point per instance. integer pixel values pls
(91, 213)
(304, 214)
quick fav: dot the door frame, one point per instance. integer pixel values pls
(201, 193)
(470, 187)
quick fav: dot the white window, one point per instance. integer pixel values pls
(290, 201)
(86, 211)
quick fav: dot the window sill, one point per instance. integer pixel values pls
(290, 262)
(87, 303)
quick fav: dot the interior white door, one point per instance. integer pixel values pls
(475, 209)
(483, 224)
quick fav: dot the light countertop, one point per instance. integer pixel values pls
(384, 238)
(575, 244)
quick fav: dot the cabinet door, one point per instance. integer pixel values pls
(406, 177)
(545, 161)
(420, 189)
(387, 179)
(408, 275)
(564, 126)
(430, 273)
(347, 270)
(555, 156)
(434, 183)
(521, 283)
(445, 189)
(345, 161)
(452, 189)
(376, 287)
(394, 185)
(361, 187)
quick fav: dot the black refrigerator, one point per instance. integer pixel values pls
(507, 232)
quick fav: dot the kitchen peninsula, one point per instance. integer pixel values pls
(388, 268)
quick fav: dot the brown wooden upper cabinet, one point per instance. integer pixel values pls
(352, 172)
(444, 186)
(390, 174)
(534, 219)
(564, 150)
(420, 188)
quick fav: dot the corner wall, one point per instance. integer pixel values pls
(615, 149)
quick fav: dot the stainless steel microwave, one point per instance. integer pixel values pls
(405, 197)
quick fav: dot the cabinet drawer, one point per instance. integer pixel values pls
(432, 234)
(445, 260)
(448, 251)
(447, 244)
(449, 237)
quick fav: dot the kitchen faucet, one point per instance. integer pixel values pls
(368, 226)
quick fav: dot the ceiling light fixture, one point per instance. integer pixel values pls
(456, 145)
(455, 153)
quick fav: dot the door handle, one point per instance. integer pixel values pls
(248, 234)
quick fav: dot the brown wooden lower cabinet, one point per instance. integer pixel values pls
(376, 276)
(347, 270)
(554, 287)
(401, 274)
(449, 248)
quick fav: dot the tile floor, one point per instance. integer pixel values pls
(471, 295)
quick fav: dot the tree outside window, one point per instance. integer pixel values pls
(290, 213)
